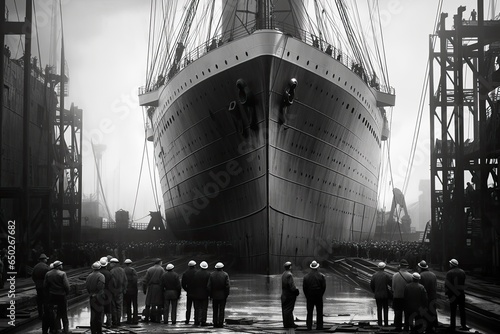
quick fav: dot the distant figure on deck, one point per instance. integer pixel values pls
(454, 288)
(218, 288)
(329, 50)
(289, 293)
(380, 283)
(151, 287)
(399, 282)
(429, 281)
(473, 15)
(314, 286)
(415, 300)
(187, 285)
(95, 288)
(200, 295)
(171, 286)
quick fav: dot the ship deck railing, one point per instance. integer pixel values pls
(290, 30)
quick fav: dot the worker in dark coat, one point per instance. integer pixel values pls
(107, 296)
(314, 286)
(151, 286)
(429, 281)
(130, 296)
(218, 288)
(399, 282)
(289, 293)
(119, 289)
(380, 283)
(200, 295)
(171, 286)
(415, 301)
(95, 288)
(57, 284)
(454, 287)
(38, 276)
(187, 285)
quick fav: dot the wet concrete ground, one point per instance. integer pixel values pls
(256, 299)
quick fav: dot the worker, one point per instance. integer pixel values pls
(151, 287)
(454, 287)
(57, 284)
(399, 282)
(218, 289)
(95, 288)
(289, 293)
(380, 283)
(314, 286)
(38, 276)
(107, 296)
(429, 281)
(171, 286)
(119, 289)
(200, 294)
(415, 298)
(187, 285)
(130, 296)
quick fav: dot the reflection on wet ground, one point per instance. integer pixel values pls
(257, 299)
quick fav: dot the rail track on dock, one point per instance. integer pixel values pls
(479, 304)
(27, 310)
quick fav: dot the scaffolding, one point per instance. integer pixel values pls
(465, 145)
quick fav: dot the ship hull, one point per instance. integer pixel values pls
(276, 181)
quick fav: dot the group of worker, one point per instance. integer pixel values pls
(314, 287)
(163, 290)
(415, 296)
(110, 285)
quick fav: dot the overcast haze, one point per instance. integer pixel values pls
(106, 52)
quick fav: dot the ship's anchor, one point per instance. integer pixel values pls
(245, 116)
(288, 99)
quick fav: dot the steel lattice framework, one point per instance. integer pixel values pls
(465, 145)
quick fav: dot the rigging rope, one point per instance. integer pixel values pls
(418, 123)
(100, 183)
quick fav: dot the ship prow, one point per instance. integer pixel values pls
(269, 143)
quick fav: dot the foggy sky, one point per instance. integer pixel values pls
(106, 52)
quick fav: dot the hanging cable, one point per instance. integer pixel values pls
(423, 95)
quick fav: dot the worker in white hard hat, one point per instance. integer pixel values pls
(107, 295)
(119, 289)
(171, 285)
(429, 280)
(187, 285)
(95, 287)
(380, 284)
(314, 287)
(415, 301)
(130, 296)
(218, 288)
(200, 295)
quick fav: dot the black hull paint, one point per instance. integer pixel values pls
(277, 182)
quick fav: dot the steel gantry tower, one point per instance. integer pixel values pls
(465, 144)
